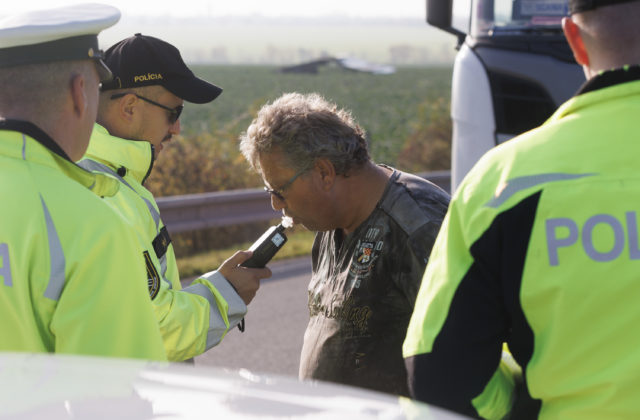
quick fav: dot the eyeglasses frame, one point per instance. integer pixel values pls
(277, 192)
(174, 113)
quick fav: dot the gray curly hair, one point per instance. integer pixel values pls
(306, 127)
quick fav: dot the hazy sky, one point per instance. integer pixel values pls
(276, 31)
(200, 8)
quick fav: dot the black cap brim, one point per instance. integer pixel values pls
(193, 90)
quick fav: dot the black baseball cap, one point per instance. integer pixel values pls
(577, 6)
(143, 60)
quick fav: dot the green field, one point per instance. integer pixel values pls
(386, 106)
(405, 115)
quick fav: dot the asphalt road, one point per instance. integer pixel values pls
(274, 325)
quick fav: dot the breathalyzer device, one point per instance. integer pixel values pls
(266, 246)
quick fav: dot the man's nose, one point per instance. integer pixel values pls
(277, 204)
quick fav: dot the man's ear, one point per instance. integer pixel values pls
(326, 171)
(78, 95)
(574, 38)
(127, 107)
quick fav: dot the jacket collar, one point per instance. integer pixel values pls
(35, 133)
(619, 85)
(45, 151)
(136, 157)
(610, 78)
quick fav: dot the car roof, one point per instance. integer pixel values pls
(48, 386)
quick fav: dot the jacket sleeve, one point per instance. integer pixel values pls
(104, 307)
(196, 318)
(453, 347)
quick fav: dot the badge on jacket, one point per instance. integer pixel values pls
(153, 279)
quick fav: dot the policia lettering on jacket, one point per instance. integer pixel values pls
(622, 231)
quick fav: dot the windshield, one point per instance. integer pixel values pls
(515, 17)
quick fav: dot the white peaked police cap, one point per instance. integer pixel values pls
(57, 34)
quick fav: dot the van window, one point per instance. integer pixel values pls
(515, 17)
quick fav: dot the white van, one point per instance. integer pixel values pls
(512, 70)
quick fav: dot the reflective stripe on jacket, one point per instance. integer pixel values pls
(193, 319)
(70, 271)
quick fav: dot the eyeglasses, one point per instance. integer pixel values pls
(174, 113)
(278, 192)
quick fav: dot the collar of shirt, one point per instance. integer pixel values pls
(609, 78)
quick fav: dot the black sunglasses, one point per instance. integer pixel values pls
(174, 113)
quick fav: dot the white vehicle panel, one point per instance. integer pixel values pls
(472, 114)
(57, 387)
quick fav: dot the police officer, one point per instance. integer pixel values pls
(540, 250)
(71, 276)
(138, 111)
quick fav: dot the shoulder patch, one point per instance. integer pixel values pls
(153, 279)
(161, 242)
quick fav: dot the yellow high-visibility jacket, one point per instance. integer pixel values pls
(193, 319)
(71, 273)
(540, 250)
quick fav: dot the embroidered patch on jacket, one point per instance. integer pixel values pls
(153, 279)
(367, 252)
(161, 242)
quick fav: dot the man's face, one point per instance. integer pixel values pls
(303, 199)
(155, 125)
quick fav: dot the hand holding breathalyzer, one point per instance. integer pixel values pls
(245, 281)
(265, 248)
